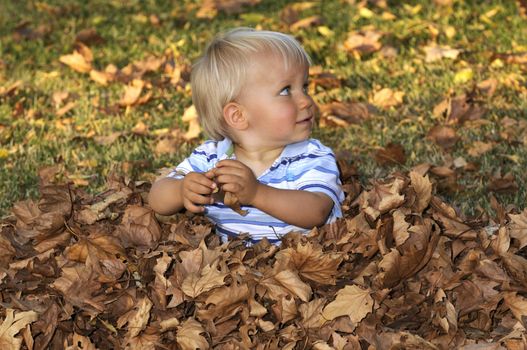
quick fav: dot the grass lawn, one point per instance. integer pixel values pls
(51, 114)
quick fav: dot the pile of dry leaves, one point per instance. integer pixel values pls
(402, 270)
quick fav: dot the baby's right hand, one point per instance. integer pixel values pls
(197, 190)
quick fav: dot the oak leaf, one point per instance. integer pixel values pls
(11, 325)
(351, 301)
(189, 336)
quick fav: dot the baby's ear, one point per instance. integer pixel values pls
(234, 116)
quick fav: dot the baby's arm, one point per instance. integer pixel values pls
(296, 207)
(168, 195)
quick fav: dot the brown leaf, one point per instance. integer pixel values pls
(189, 336)
(311, 312)
(306, 23)
(100, 77)
(311, 262)
(443, 136)
(392, 154)
(284, 283)
(11, 325)
(233, 202)
(99, 244)
(518, 227)
(137, 318)
(366, 42)
(207, 279)
(89, 36)
(503, 184)
(132, 93)
(517, 305)
(423, 189)
(343, 113)
(478, 148)
(226, 301)
(351, 301)
(139, 228)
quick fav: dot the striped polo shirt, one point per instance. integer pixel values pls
(307, 165)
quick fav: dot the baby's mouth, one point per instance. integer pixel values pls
(306, 120)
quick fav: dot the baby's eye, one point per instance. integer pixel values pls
(285, 91)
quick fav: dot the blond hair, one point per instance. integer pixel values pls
(220, 73)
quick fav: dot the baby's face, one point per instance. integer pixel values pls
(276, 102)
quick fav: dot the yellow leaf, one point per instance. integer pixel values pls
(99, 77)
(191, 117)
(386, 98)
(11, 325)
(351, 301)
(325, 31)
(366, 13)
(76, 61)
(4, 153)
(189, 336)
(463, 76)
(132, 93)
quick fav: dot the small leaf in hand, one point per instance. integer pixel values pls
(233, 202)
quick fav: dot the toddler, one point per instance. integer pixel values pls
(250, 92)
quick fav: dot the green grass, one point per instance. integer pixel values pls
(37, 137)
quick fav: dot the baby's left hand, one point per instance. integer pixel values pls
(235, 177)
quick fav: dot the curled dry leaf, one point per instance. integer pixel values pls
(11, 325)
(343, 113)
(518, 227)
(137, 318)
(139, 228)
(423, 189)
(444, 136)
(189, 336)
(233, 202)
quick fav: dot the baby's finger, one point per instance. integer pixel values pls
(200, 188)
(227, 178)
(231, 187)
(193, 208)
(199, 199)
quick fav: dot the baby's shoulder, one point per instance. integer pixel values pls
(314, 146)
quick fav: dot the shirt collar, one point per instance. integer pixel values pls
(290, 151)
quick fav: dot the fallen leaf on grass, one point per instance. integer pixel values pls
(77, 62)
(190, 116)
(387, 98)
(434, 53)
(392, 154)
(343, 113)
(366, 42)
(306, 23)
(351, 301)
(503, 184)
(444, 136)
